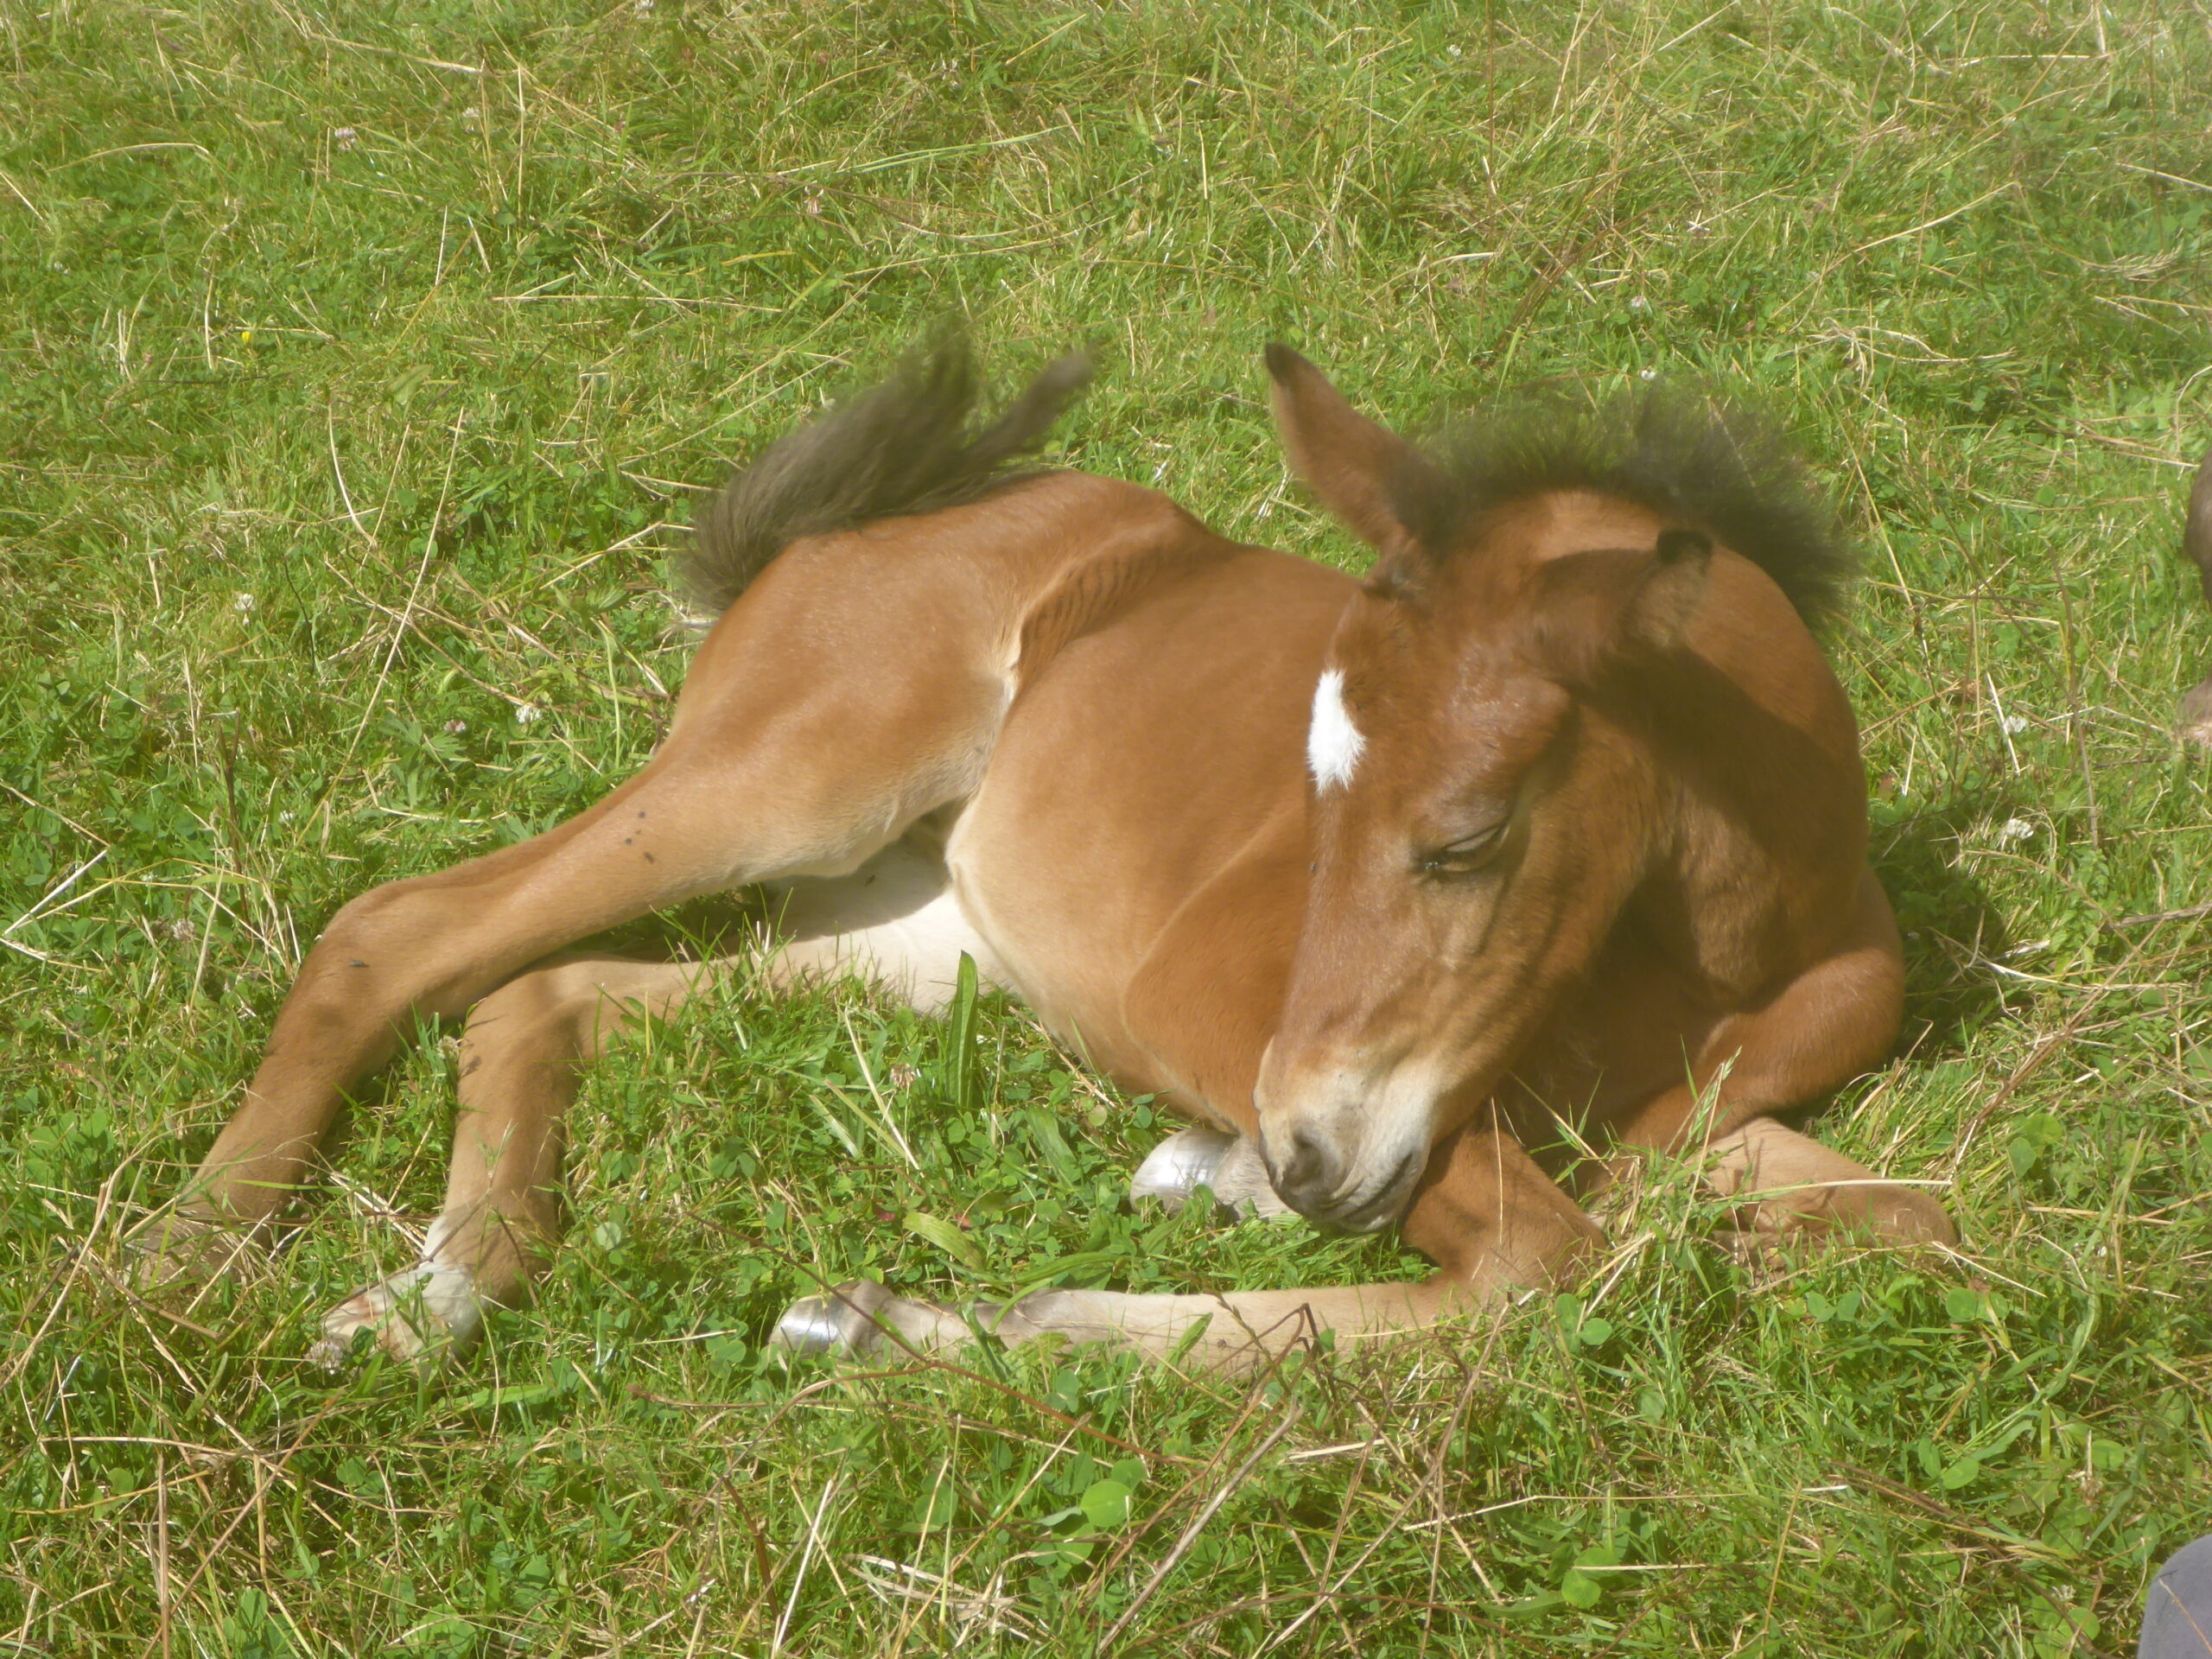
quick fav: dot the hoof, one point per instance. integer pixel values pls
(420, 1318)
(846, 1320)
(1180, 1166)
(1824, 1218)
(1887, 1217)
(1228, 1166)
(330, 1353)
(1902, 1218)
(177, 1252)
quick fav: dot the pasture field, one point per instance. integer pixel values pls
(358, 363)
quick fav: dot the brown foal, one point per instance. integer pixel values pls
(1551, 831)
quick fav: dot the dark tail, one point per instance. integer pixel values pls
(910, 444)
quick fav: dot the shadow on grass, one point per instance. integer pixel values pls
(1947, 919)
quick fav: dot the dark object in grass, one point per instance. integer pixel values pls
(2196, 721)
(2177, 1608)
(1560, 811)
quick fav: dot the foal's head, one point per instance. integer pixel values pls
(1488, 789)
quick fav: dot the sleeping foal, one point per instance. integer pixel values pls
(1550, 830)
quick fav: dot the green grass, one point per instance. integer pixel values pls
(358, 363)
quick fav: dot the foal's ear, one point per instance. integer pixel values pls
(1668, 597)
(1589, 607)
(1380, 488)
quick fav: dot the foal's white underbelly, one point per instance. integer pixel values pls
(897, 920)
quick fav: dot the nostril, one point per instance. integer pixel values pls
(1309, 1168)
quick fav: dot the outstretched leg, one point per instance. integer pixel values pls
(432, 946)
(1492, 1220)
(521, 1056)
(894, 921)
(856, 686)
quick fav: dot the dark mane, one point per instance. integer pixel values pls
(1673, 449)
(911, 443)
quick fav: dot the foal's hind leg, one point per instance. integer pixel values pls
(856, 686)
(521, 1055)
(430, 947)
(895, 921)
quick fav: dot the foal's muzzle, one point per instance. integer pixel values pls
(1311, 1179)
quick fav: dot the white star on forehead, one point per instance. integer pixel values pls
(1333, 744)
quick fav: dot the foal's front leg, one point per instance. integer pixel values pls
(1484, 1213)
(1831, 1023)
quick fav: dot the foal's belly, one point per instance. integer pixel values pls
(1143, 762)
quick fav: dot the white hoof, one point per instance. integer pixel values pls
(1180, 1166)
(417, 1317)
(844, 1321)
(1228, 1166)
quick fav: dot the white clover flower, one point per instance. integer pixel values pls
(526, 712)
(2014, 830)
(2013, 725)
(1637, 303)
(344, 137)
(242, 603)
(1647, 374)
(471, 116)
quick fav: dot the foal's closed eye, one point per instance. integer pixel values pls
(1468, 853)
